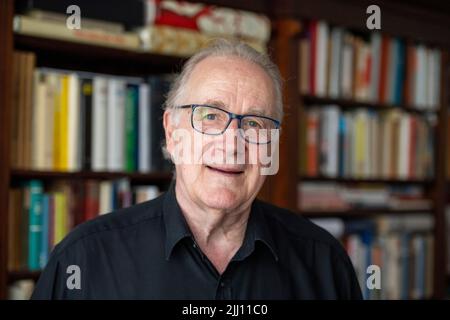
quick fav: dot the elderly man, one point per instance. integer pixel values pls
(207, 237)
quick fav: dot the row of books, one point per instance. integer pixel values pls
(40, 216)
(377, 68)
(71, 121)
(364, 143)
(402, 247)
(337, 197)
(164, 27)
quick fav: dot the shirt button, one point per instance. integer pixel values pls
(222, 284)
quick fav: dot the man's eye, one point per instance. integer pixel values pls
(210, 116)
(254, 124)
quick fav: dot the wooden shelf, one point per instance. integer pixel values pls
(154, 177)
(310, 100)
(21, 275)
(425, 182)
(93, 58)
(359, 212)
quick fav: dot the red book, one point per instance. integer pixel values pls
(312, 144)
(384, 63)
(92, 202)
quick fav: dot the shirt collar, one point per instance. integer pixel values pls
(258, 230)
(177, 228)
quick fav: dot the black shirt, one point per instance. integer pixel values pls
(148, 252)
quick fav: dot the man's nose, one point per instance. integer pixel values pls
(231, 136)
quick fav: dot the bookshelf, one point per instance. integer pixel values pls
(55, 54)
(84, 57)
(52, 53)
(349, 104)
(141, 178)
(400, 20)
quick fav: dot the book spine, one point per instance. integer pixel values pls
(35, 224)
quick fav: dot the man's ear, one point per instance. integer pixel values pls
(168, 130)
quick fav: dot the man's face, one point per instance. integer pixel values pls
(216, 178)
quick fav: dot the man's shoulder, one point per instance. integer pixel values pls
(297, 227)
(119, 220)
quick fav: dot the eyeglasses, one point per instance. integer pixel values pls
(214, 121)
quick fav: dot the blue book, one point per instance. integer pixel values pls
(420, 267)
(43, 257)
(404, 265)
(35, 224)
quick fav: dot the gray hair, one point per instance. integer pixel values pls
(225, 47)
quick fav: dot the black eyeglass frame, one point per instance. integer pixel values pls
(231, 116)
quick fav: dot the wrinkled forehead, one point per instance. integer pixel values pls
(238, 83)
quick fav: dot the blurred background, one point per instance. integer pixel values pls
(365, 143)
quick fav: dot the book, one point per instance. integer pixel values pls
(59, 31)
(135, 10)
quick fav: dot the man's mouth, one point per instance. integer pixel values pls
(233, 171)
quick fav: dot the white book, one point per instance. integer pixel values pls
(105, 197)
(99, 114)
(21, 289)
(146, 193)
(434, 75)
(115, 128)
(335, 226)
(52, 84)
(73, 105)
(39, 121)
(332, 140)
(421, 88)
(393, 268)
(404, 146)
(321, 55)
(336, 62)
(144, 128)
(359, 141)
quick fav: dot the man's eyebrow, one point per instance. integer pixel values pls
(257, 112)
(216, 103)
(220, 104)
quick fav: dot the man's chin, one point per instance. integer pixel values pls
(220, 198)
